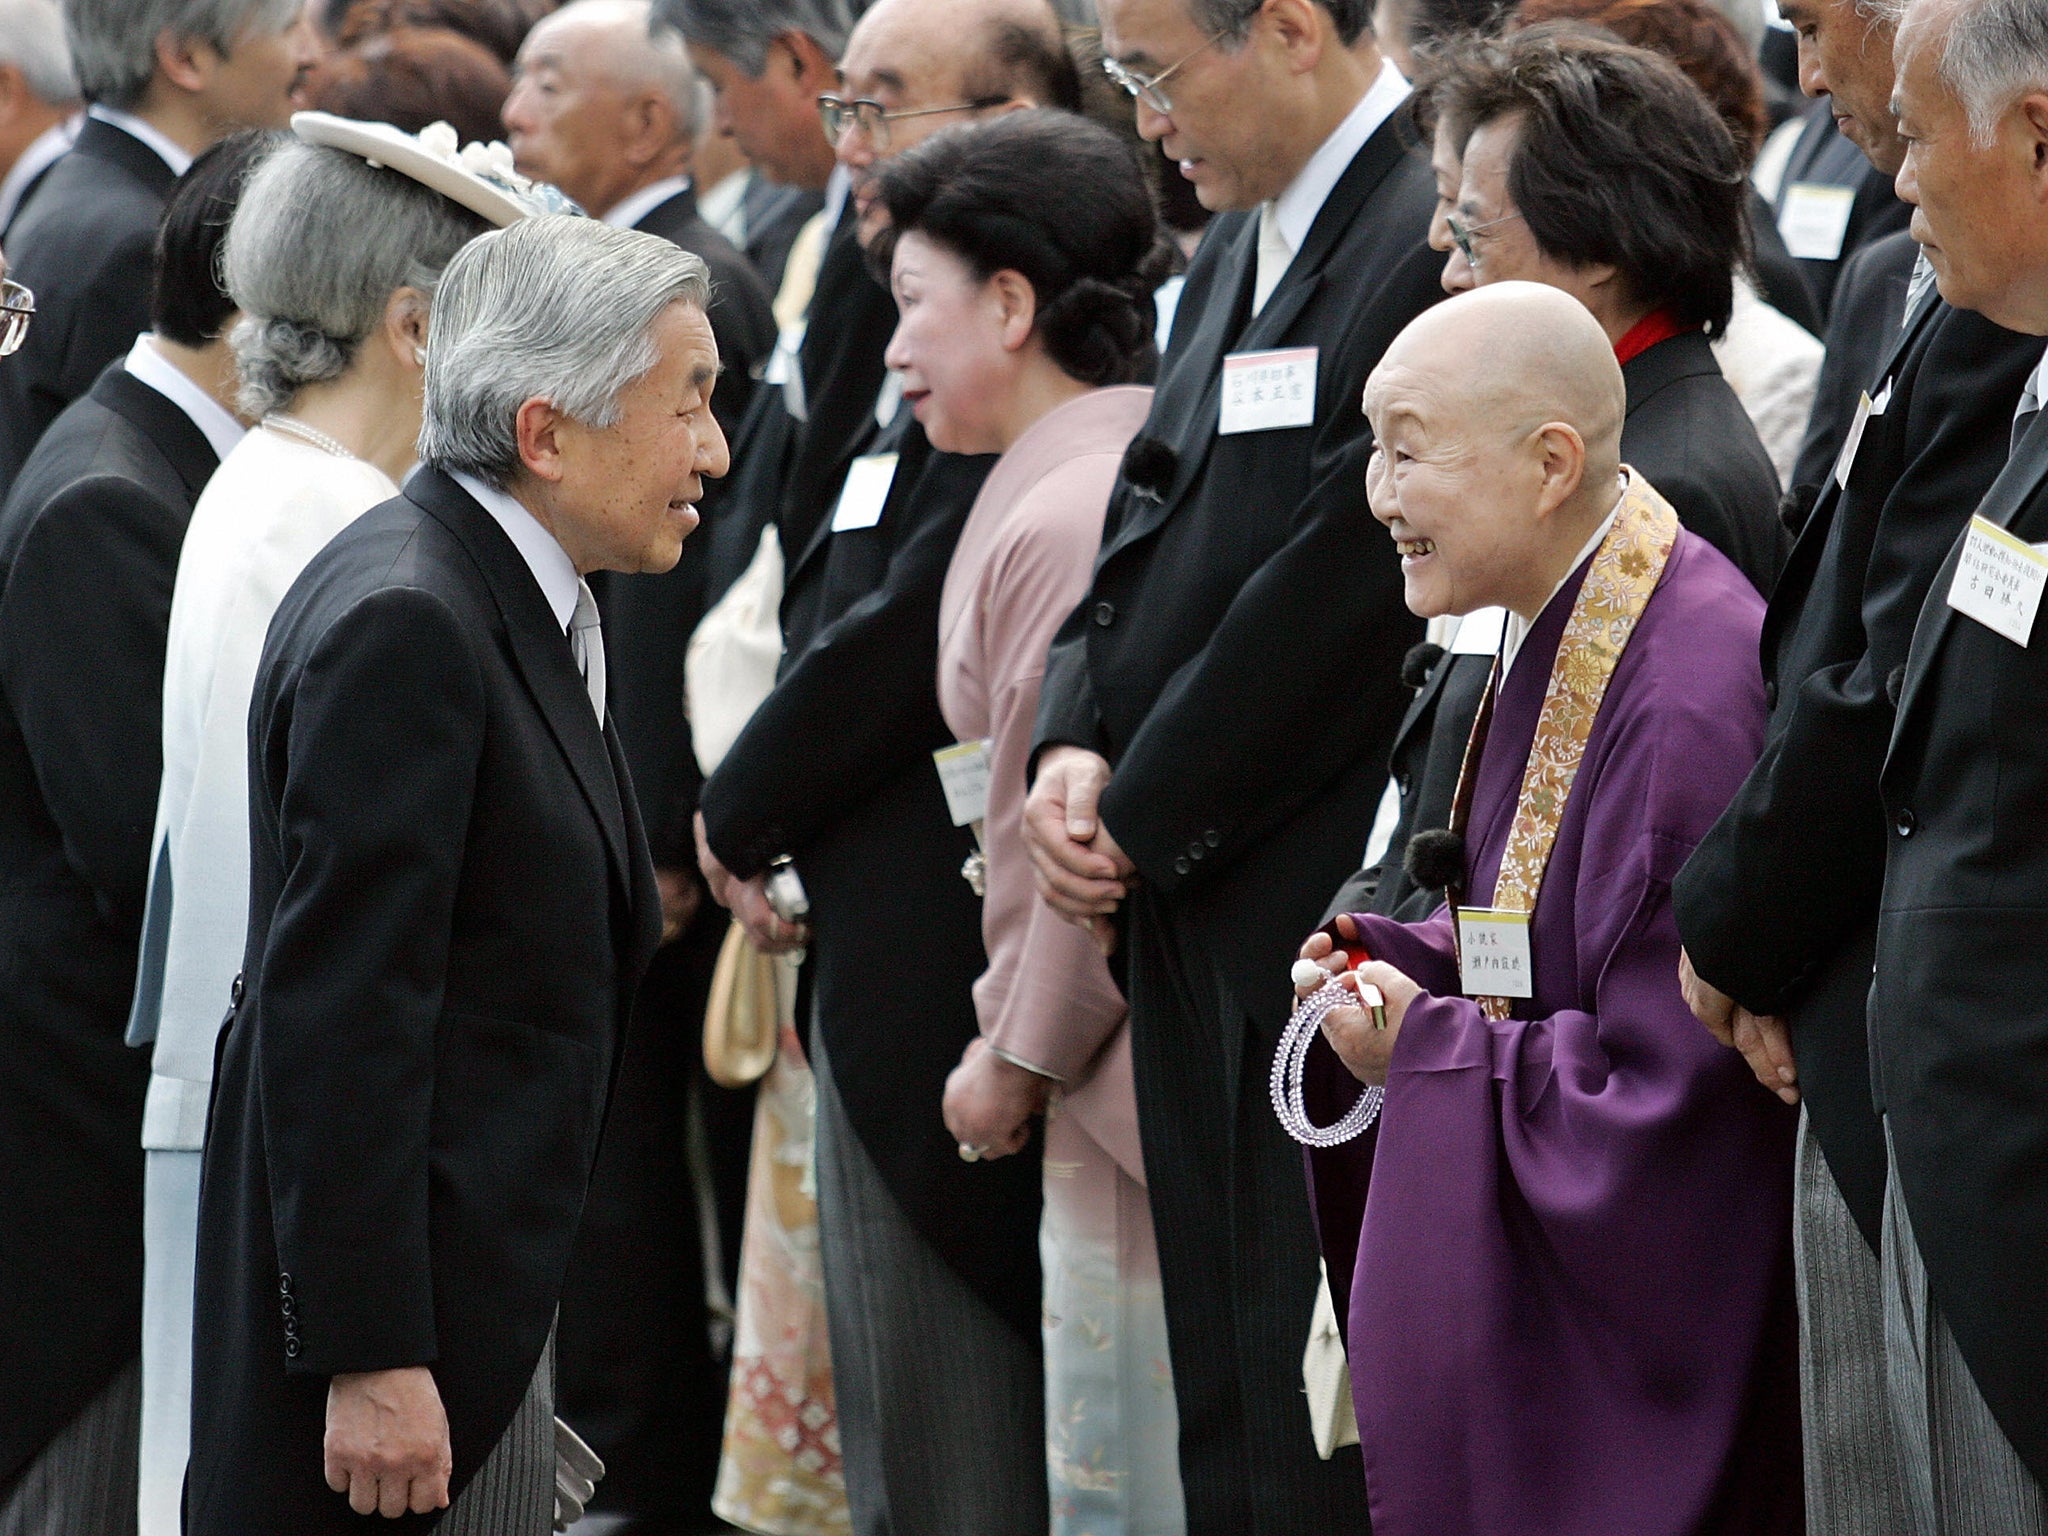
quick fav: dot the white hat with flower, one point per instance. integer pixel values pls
(478, 176)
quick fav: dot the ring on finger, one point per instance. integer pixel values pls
(972, 1154)
(1376, 1001)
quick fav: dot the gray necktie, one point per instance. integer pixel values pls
(1917, 285)
(586, 644)
(1275, 255)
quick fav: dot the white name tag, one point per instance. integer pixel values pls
(1999, 581)
(1815, 219)
(1845, 462)
(1479, 632)
(1263, 391)
(963, 774)
(1493, 953)
(865, 493)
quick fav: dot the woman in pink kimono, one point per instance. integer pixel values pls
(1023, 258)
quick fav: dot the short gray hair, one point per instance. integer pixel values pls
(1995, 52)
(319, 243)
(655, 54)
(556, 308)
(32, 40)
(113, 42)
(743, 29)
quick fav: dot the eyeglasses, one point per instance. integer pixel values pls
(838, 115)
(1462, 233)
(17, 308)
(1146, 88)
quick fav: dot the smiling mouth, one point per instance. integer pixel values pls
(1415, 549)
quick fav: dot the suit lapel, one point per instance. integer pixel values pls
(542, 654)
(160, 420)
(1804, 561)
(117, 146)
(2015, 488)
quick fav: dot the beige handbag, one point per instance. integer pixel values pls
(743, 1020)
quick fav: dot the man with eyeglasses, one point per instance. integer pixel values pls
(17, 309)
(1201, 783)
(931, 1264)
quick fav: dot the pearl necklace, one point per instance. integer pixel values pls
(313, 437)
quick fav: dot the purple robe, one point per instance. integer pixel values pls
(1567, 1244)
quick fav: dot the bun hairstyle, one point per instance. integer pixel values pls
(1058, 199)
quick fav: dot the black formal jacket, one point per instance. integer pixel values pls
(1689, 435)
(648, 619)
(1778, 904)
(1779, 279)
(1863, 331)
(1200, 662)
(83, 245)
(1823, 155)
(89, 544)
(450, 906)
(1958, 1033)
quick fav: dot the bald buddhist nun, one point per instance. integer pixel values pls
(1564, 1250)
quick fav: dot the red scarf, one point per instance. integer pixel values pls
(1658, 325)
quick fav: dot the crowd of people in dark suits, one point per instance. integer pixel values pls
(677, 678)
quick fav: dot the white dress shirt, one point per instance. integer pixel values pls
(43, 151)
(168, 149)
(552, 568)
(629, 210)
(1284, 222)
(152, 368)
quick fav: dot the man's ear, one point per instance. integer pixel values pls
(1302, 29)
(647, 129)
(1561, 462)
(2033, 119)
(538, 426)
(186, 62)
(813, 68)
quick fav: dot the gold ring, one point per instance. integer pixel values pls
(971, 1154)
(1375, 1000)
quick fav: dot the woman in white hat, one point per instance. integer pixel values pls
(332, 259)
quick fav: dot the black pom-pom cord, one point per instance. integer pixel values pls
(1150, 466)
(1416, 666)
(1435, 859)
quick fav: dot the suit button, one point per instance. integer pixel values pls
(284, 1285)
(291, 1349)
(288, 1307)
(1181, 866)
(1907, 822)
(1105, 614)
(1771, 694)
(1197, 851)
(1213, 838)
(235, 991)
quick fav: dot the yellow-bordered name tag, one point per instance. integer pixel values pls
(1999, 580)
(963, 774)
(1493, 953)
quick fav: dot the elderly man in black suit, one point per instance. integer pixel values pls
(1194, 773)
(451, 906)
(1958, 1033)
(89, 542)
(834, 772)
(609, 111)
(1778, 905)
(38, 98)
(165, 79)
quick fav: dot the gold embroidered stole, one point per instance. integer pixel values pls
(1624, 572)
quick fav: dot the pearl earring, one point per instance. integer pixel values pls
(419, 355)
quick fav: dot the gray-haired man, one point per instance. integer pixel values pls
(451, 906)
(38, 98)
(165, 78)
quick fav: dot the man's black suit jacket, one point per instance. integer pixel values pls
(1223, 603)
(1778, 904)
(648, 619)
(451, 904)
(1689, 435)
(89, 543)
(1863, 331)
(1958, 1034)
(83, 245)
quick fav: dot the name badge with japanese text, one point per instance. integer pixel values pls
(1999, 580)
(963, 774)
(1815, 219)
(1264, 391)
(865, 493)
(1493, 953)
